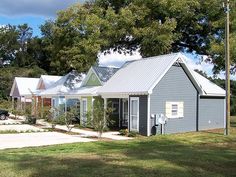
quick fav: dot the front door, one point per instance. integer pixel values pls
(134, 114)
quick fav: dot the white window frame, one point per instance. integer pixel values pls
(134, 99)
(179, 110)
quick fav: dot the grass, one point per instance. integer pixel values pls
(189, 154)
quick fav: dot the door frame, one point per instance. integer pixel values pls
(134, 99)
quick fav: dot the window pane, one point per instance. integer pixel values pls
(134, 108)
(174, 106)
(134, 122)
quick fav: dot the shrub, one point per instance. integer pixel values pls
(99, 117)
(124, 132)
(31, 120)
(132, 134)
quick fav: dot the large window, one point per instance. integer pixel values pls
(175, 109)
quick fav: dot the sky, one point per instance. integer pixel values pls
(35, 12)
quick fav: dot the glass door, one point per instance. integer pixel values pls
(134, 114)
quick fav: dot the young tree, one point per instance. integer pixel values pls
(99, 117)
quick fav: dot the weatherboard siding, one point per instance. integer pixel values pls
(143, 107)
(175, 86)
(211, 113)
(93, 81)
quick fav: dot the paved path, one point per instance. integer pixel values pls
(87, 133)
(20, 128)
(38, 139)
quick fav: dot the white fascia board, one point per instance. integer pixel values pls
(158, 80)
(13, 87)
(121, 95)
(148, 116)
(86, 78)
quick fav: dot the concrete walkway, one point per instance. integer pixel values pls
(20, 128)
(38, 139)
(87, 133)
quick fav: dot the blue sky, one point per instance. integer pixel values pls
(35, 12)
(32, 21)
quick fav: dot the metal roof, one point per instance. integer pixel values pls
(25, 86)
(66, 84)
(208, 87)
(48, 80)
(141, 76)
(104, 73)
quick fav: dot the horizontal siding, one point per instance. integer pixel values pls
(211, 113)
(175, 86)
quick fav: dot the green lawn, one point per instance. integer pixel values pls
(190, 154)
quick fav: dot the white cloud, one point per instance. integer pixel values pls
(117, 60)
(46, 8)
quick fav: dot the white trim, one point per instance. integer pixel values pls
(148, 116)
(128, 115)
(13, 88)
(135, 99)
(180, 58)
(90, 72)
(167, 69)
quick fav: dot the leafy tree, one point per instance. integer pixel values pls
(153, 27)
(8, 74)
(99, 117)
(8, 44)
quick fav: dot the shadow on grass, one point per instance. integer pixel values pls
(162, 156)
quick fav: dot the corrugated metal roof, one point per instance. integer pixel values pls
(140, 75)
(208, 87)
(85, 91)
(105, 73)
(48, 80)
(25, 85)
(66, 84)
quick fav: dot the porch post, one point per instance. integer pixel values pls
(119, 112)
(105, 107)
(12, 102)
(65, 105)
(128, 116)
(24, 104)
(42, 108)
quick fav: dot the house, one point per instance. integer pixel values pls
(165, 85)
(60, 92)
(96, 77)
(22, 91)
(45, 81)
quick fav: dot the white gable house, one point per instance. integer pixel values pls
(163, 95)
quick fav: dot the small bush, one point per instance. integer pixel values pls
(132, 134)
(60, 120)
(124, 132)
(30, 120)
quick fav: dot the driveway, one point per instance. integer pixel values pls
(38, 139)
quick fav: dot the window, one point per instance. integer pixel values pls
(174, 109)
